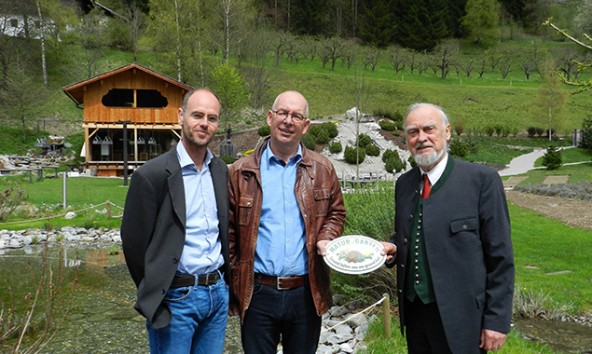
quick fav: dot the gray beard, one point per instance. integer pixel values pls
(430, 159)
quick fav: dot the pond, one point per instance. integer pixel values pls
(98, 314)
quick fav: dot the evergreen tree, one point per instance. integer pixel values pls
(310, 17)
(377, 25)
(422, 24)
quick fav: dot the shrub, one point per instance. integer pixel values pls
(314, 129)
(411, 161)
(335, 147)
(372, 150)
(331, 129)
(309, 141)
(364, 140)
(392, 161)
(531, 131)
(354, 155)
(459, 147)
(322, 137)
(552, 159)
(386, 124)
(264, 130)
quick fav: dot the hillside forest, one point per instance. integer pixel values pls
(495, 65)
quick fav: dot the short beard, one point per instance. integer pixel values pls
(430, 159)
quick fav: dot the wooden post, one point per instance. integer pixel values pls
(386, 313)
(108, 208)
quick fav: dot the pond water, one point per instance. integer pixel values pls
(564, 337)
(100, 318)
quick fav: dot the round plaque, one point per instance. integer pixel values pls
(354, 254)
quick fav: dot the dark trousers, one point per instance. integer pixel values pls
(423, 328)
(286, 314)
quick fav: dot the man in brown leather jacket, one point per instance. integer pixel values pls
(285, 206)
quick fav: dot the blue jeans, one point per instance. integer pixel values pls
(286, 314)
(198, 323)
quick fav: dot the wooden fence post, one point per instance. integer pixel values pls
(386, 313)
(108, 208)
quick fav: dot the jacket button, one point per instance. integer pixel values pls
(175, 260)
(163, 292)
(465, 226)
(405, 241)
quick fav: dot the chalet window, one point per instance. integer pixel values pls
(150, 99)
(125, 98)
(119, 98)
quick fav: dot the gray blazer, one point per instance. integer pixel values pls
(467, 239)
(153, 229)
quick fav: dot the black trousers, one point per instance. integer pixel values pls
(423, 328)
(289, 315)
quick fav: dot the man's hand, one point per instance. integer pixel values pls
(492, 340)
(389, 250)
(322, 247)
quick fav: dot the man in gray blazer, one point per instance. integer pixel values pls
(175, 236)
(452, 246)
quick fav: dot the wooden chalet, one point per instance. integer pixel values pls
(132, 99)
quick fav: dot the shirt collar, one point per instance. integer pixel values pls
(435, 173)
(186, 161)
(270, 157)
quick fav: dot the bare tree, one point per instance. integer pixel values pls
(397, 59)
(584, 85)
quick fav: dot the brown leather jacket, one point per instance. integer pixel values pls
(321, 204)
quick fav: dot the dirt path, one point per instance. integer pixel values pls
(574, 212)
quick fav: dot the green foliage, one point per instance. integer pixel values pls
(264, 130)
(10, 199)
(322, 137)
(232, 90)
(354, 155)
(482, 19)
(386, 124)
(459, 147)
(309, 141)
(370, 212)
(364, 140)
(227, 159)
(392, 161)
(335, 147)
(552, 158)
(372, 150)
(331, 129)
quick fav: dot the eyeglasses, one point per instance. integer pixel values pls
(283, 114)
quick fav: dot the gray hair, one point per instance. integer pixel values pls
(413, 107)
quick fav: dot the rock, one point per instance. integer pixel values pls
(70, 215)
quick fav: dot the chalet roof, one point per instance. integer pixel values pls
(76, 91)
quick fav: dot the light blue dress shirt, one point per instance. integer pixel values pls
(202, 250)
(281, 243)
